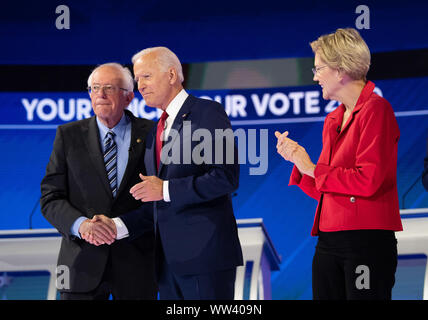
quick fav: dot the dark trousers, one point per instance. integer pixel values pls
(117, 288)
(354, 265)
(219, 285)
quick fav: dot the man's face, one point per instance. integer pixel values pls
(109, 106)
(155, 85)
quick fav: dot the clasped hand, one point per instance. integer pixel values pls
(98, 230)
(102, 230)
(291, 151)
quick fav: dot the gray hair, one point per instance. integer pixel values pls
(128, 80)
(165, 57)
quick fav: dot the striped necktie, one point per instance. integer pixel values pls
(110, 161)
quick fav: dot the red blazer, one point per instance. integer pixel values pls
(356, 175)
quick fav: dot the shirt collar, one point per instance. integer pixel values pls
(119, 129)
(176, 103)
(364, 96)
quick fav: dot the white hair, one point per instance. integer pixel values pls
(165, 57)
(127, 79)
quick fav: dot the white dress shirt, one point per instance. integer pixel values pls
(172, 111)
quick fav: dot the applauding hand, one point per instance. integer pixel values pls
(291, 151)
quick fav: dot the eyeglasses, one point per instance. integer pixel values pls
(108, 89)
(315, 70)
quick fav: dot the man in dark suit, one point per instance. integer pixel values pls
(188, 184)
(93, 165)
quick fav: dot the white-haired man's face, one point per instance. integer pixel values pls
(111, 99)
(157, 87)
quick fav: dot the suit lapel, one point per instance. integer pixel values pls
(177, 125)
(364, 96)
(336, 117)
(334, 121)
(91, 136)
(150, 154)
(136, 149)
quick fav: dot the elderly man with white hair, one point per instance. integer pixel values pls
(197, 244)
(93, 165)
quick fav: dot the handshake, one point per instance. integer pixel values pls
(102, 230)
(98, 230)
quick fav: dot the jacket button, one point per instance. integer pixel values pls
(352, 199)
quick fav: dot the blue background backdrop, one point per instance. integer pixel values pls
(222, 30)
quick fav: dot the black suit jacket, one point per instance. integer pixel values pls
(197, 228)
(76, 185)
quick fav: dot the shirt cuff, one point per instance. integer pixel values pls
(76, 225)
(321, 173)
(166, 197)
(121, 229)
(295, 177)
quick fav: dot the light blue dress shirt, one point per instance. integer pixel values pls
(123, 140)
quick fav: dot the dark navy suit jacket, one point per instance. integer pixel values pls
(197, 228)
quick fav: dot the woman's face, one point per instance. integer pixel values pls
(327, 78)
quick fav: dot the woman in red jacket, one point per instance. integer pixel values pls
(354, 179)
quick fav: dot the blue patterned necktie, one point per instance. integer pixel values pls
(110, 161)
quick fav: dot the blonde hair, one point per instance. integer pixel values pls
(165, 57)
(344, 50)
